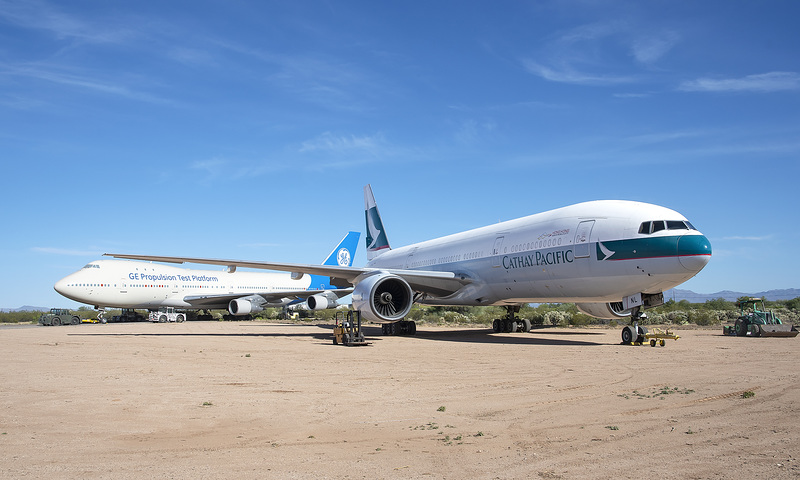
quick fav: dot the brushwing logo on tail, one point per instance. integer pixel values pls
(376, 238)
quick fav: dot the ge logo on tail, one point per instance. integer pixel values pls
(343, 257)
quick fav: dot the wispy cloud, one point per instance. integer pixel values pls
(596, 54)
(65, 251)
(344, 144)
(41, 15)
(648, 49)
(568, 74)
(764, 82)
(52, 74)
(749, 239)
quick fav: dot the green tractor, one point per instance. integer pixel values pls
(758, 322)
(59, 316)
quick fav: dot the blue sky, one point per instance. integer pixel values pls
(247, 129)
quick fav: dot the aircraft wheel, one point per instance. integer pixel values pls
(627, 335)
(526, 325)
(640, 338)
(497, 325)
(412, 327)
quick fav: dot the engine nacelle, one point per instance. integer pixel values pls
(321, 302)
(608, 311)
(383, 298)
(245, 305)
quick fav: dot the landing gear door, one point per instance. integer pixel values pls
(498, 244)
(582, 236)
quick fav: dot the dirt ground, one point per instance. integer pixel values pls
(255, 400)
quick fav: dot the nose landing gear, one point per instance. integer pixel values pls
(633, 333)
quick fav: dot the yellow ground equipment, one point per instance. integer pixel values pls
(347, 330)
(657, 336)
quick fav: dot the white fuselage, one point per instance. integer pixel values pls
(134, 284)
(589, 252)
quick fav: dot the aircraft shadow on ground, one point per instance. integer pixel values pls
(324, 333)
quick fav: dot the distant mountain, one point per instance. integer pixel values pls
(692, 297)
(25, 308)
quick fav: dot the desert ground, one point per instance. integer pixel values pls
(256, 400)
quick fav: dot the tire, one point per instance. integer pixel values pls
(180, 318)
(640, 338)
(740, 327)
(526, 325)
(627, 335)
(497, 325)
(56, 321)
(162, 319)
(76, 320)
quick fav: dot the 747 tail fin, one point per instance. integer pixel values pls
(345, 252)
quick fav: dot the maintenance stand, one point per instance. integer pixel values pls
(347, 329)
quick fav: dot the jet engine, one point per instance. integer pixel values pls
(246, 305)
(383, 298)
(609, 311)
(320, 302)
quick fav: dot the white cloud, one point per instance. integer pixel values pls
(43, 16)
(764, 82)
(752, 239)
(592, 54)
(569, 75)
(343, 144)
(64, 251)
(651, 48)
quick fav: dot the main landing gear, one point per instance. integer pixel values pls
(403, 327)
(634, 333)
(511, 322)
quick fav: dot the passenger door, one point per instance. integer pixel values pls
(582, 235)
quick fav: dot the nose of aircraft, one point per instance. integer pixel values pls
(61, 286)
(694, 252)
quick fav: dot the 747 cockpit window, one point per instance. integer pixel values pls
(654, 226)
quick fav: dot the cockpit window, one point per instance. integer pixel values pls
(654, 226)
(676, 225)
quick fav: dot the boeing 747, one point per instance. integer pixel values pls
(136, 284)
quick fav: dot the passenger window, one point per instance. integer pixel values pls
(658, 225)
(645, 228)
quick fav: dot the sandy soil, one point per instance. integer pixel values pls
(253, 400)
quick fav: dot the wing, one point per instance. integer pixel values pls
(423, 281)
(284, 297)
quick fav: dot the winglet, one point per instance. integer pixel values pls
(377, 242)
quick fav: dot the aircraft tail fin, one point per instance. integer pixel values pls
(345, 252)
(377, 242)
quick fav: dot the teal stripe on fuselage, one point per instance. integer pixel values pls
(653, 247)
